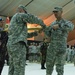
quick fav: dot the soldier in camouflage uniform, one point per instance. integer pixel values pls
(43, 51)
(17, 42)
(3, 42)
(58, 33)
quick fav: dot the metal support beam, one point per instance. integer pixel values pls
(29, 2)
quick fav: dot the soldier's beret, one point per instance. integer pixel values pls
(23, 7)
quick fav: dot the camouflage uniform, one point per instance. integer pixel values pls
(57, 47)
(17, 34)
(43, 50)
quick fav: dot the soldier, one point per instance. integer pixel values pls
(43, 51)
(58, 33)
(3, 42)
(17, 42)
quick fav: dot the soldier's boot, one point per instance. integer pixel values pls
(42, 66)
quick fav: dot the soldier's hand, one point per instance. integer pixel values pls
(55, 26)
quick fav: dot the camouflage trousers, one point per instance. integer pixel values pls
(17, 59)
(54, 58)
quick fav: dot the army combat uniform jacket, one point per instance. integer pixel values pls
(18, 27)
(58, 37)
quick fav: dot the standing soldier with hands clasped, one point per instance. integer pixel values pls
(43, 51)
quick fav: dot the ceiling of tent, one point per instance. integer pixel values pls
(40, 8)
